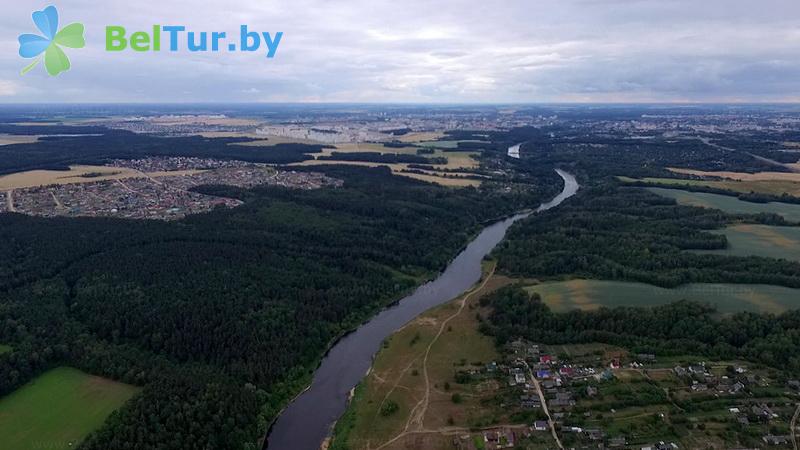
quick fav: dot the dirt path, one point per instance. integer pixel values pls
(550, 421)
(772, 162)
(417, 416)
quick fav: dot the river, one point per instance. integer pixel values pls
(307, 421)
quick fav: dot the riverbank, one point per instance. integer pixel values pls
(321, 405)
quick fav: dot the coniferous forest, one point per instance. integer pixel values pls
(222, 317)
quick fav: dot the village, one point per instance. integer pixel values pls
(604, 397)
(155, 188)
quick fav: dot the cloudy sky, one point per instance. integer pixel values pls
(427, 51)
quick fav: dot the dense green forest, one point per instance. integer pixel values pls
(95, 145)
(623, 233)
(222, 317)
(681, 328)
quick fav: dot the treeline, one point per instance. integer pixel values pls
(618, 233)
(385, 158)
(222, 317)
(679, 328)
(57, 153)
(753, 197)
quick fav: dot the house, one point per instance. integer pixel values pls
(545, 359)
(699, 387)
(541, 425)
(591, 391)
(743, 420)
(617, 442)
(771, 439)
(646, 357)
(543, 374)
(794, 384)
(519, 378)
(594, 434)
(530, 402)
(680, 371)
(697, 369)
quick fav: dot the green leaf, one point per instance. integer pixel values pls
(55, 60)
(30, 66)
(71, 36)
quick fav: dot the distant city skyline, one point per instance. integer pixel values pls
(452, 51)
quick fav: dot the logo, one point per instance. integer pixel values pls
(33, 46)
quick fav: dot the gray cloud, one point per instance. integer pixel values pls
(423, 51)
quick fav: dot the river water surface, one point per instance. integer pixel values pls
(307, 421)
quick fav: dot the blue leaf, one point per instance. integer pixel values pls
(31, 45)
(47, 21)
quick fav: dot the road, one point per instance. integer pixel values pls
(10, 200)
(772, 162)
(550, 421)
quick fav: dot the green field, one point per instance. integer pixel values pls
(591, 294)
(760, 240)
(58, 409)
(4, 349)
(729, 204)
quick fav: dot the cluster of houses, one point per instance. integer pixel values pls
(701, 380)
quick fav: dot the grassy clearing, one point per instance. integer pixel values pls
(769, 187)
(729, 204)
(761, 240)
(59, 409)
(398, 378)
(728, 298)
(5, 349)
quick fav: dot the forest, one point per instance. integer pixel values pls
(223, 316)
(612, 232)
(95, 145)
(681, 328)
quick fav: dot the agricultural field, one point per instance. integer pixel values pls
(760, 240)
(79, 174)
(728, 298)
(412, 393)
(445, 144)
(59, 409)
(729, 204)
(769, 187)
(9, 139)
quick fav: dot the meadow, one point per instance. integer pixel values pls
(728, 298)
(407, 396)
(59, 409)
(760, 240)
(4, 349)
(729, 204)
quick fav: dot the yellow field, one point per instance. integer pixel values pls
(76, 174)
(737, 182)
(740, 176)
(8, 139)
(421, 136)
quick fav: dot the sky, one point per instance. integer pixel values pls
(426, 51)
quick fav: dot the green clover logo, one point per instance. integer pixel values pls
(32, 45)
